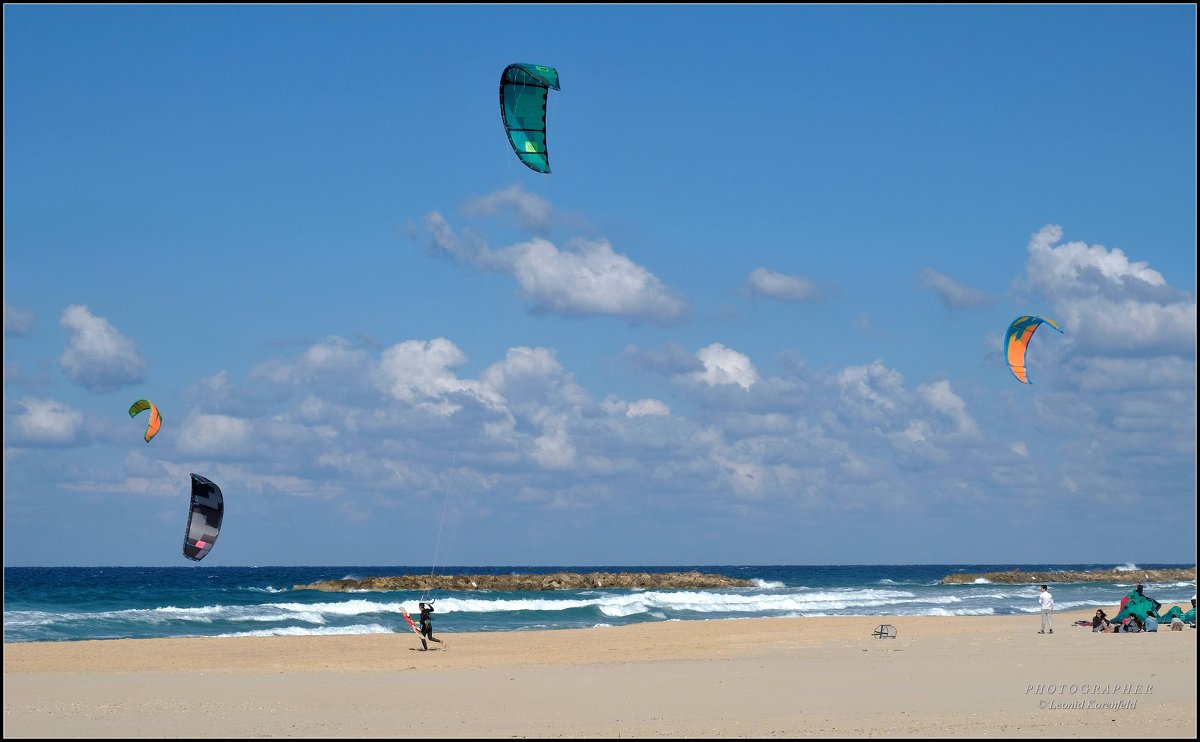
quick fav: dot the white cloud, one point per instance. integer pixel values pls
(736, 440)
(97, 356)
(586, 278)
(644, 407)
(532, 211)
(553, 450)
(215, 435)
(952, 293)
(943, 400)
(725, 366)
(533, 376)
(416, 371)
(763, 282)
(465, 250)
(331, 359)
(43, 421)
(537, 389)
(1068, 264)
(871, 389)
(1105, 302)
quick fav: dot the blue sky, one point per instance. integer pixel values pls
(753, 315)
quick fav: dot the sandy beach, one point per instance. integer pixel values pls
(771, 677)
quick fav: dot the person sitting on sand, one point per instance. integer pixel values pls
(1151, 622)
(1100, 622)
(1131, 625)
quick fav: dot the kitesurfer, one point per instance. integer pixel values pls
(427, 622)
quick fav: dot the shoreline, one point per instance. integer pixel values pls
(754, 677)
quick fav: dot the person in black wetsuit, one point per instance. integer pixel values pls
(427, 622)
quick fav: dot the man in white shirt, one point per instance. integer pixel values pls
(1047, 602)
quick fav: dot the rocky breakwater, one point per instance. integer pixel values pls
(555, 581)
(1019, 577)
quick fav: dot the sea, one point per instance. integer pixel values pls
(80, 603)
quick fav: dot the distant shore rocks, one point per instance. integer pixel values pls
(1017, 576)
(555, 581)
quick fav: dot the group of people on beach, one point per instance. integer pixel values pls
(1132, 623)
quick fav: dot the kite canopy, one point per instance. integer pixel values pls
(1137, 605)
(155, 418)
(204, 518)
(523, 92)
(1016, 343)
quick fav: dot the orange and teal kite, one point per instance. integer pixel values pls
(155, 418)
(1016, 343)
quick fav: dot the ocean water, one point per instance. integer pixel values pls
(77, 603)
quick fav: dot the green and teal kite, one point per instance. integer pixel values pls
(523, 92)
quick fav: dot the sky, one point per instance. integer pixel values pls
(753, 315)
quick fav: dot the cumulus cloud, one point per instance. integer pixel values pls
(952, 293)
(644, 407)
(333, 358)
(417, 371)
(1106, 302)
(97, 356)
(586, 277)
(531, 210)
(725, 366)
(17, 321)
(42, 422)
(533, 376)
(869, 390)
(736, 442)
(553, 449)
(763, 282)
(942, 399)
(215, 435)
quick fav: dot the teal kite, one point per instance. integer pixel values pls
(523, 92)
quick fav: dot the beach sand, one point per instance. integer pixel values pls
(768, 677)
